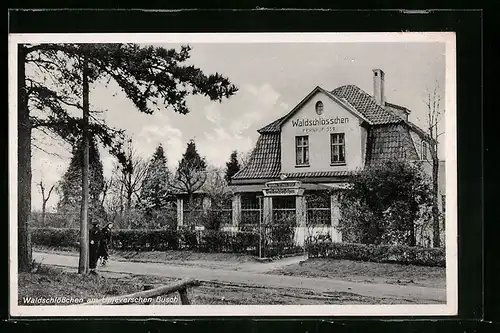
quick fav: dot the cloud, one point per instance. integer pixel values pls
(218, 145)
(263, 104)
(251, 108)
(153, 135)
(212, 113)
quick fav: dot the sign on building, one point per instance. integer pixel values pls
(282, 188)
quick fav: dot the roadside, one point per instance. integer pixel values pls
(347, 270)
(369, 272)
(226, 261)
(397, 292)
(60, 282)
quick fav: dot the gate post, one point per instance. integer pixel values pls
(267, 211)
(236, 208)
(301, 217)
(335, 217)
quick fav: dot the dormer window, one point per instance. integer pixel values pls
(319, 107)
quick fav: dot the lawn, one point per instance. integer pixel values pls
(57, 282)
(369, 272)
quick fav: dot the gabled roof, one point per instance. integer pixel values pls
(366, 105)
(275, 126)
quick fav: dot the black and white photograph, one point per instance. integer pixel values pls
(253, 174)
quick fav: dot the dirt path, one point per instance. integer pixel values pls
(253, 276)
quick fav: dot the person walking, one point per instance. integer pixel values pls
(104, 243)
(94, 238)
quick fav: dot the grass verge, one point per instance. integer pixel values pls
(368, 272)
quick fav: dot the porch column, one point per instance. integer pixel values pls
(180, 212)
(300, 208)
(335, 217)
(267, 210)
(301, 215)
(236, 210)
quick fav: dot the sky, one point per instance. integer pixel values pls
(272, 78)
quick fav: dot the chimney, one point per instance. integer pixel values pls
(378, 86)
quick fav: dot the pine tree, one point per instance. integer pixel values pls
(190, 175)
(155, 192)
(70, 187)
(232, 166)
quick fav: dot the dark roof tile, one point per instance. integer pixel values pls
(389, 142)
(265, 161)
(366, 105)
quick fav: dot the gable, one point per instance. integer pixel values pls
(275, 126)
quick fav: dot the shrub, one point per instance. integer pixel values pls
(379, 253)
(386, 203)
(55, 237)
(157, 240)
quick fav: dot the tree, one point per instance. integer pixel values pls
(155, 195)
(45, 198)
(385, 202)
(214, 188)
(245, 158)
(131, 175)
(70, 186)
(150, 76)
(190, 175)
(232, 166)
(434, 116)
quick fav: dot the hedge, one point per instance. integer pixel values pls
(406, 255)
(157, 240)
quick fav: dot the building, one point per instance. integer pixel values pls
(316, 147)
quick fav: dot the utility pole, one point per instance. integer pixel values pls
(83, 264)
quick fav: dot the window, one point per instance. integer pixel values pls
(319, 107)
(302, 150)
(338, 148)
(318, 205)
(250, 208)
(424, 150)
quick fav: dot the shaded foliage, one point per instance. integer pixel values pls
(190, 175)
(70, 186)
(385, 203)
(232, 166)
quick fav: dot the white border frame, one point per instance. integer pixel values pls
(451, 306)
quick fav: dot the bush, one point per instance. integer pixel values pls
(399, 254)
(157, 240)
(55, 237)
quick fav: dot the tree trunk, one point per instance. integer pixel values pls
(44, 209)
(436, 241)
(24, 255)
(83, 264)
